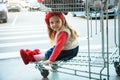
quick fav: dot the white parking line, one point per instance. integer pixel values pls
(22, 28)
(23, 37)
(23, 43)
(22, 32)
(16, 54)
(13, 23)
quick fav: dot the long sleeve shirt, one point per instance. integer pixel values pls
(61, 39)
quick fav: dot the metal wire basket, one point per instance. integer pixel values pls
(63, 5)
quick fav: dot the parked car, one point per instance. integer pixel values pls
(34, 6)
(95, 10)
(111, 12)
(14, 7)
(25, 4)
(3, 12)
(80, 13)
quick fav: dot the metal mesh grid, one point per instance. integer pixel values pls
(63, 5)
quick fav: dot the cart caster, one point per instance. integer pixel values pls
(54, 67)
(117, 68)
(44, 73)
(104, 78)
(65, 13)
(45, 79)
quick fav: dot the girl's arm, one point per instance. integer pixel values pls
(62, 37)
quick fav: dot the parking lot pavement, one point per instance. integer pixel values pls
(14, 69)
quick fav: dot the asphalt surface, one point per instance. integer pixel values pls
(14, 69)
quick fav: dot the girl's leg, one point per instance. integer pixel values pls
(39, 57)
(48, 53)
(43, 56)
(68, 54)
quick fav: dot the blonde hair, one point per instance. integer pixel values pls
(51, 33)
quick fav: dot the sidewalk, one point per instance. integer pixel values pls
(14, 69)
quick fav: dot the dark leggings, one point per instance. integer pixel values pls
(64, 55)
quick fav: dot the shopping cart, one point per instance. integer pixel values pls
(87, 60)
(78, 66)
(62, 5)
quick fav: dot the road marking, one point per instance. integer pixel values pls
(23, 37)
(16, 54)
(23, 43)
(98, 46)
(13, 23)
(9, 55)
(22, 32)
(33, 36)
(22, 28)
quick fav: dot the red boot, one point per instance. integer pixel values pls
(28, 55)
(32, 53)
(24, 56)
(36, 51)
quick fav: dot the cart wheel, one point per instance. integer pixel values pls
(116, 64)
(44, 73)
(45, 79)
(65, 13)
(104, 78)
(117, 68)
(54, 67)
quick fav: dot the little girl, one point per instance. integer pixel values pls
(63, 38)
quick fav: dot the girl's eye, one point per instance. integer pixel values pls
(57, 21)
(51, 22)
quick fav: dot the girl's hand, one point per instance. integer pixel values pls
(47, 62)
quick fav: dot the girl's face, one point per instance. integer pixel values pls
(55, 23)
